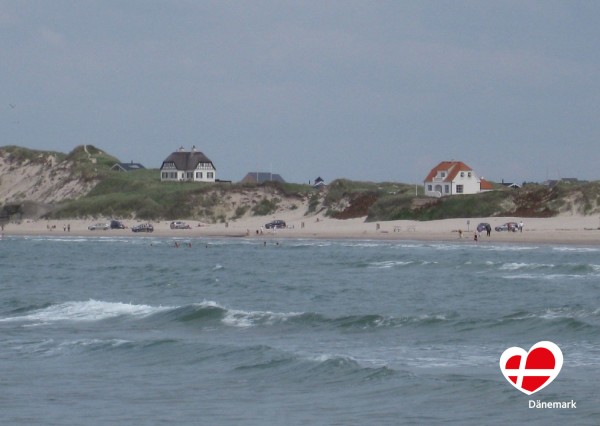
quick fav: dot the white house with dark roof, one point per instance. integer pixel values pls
(185, 165)
(453, 178)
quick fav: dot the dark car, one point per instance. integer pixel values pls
(143, 227)
(276, 224)
(116, 224)
(508, 226)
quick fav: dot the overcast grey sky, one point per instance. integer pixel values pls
(367, 90)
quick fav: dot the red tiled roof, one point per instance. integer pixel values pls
(452, 168)
(484, 185)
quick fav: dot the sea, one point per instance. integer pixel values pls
(127, 330)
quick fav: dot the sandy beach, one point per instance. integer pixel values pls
(571, 229)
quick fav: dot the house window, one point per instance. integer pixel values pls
(429, 188)
(447, 189)
(443, 174)
(469, 174)
(459, 189)
(462, 174)
(198, 175)
(190, 175)
(209, 175)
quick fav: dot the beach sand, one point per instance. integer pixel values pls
(566, 229)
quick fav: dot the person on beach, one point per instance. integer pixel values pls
(488, 229)
(521, 226)
(475, 237)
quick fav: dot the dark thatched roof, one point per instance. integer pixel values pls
(187, 160)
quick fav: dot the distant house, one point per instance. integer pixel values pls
(262, 177)
(127, 167)
(319, 183)
(185, 165)
(511, 184)
(453, 178)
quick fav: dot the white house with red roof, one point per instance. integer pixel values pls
(454, 178)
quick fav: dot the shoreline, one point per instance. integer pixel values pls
(561, 230)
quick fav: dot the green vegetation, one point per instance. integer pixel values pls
(91, 165)
(140, 194)
(406, 207)
(265, 207)
(20, 155)
(346, 199)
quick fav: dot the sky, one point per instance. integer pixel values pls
(363, 90)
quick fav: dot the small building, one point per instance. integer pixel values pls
(185, 165)
(127, 167)
(454, 178)
(319, 183)
(511, 185)
(262, 177)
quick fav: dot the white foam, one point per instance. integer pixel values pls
(92, 310)
(516, 265)
(237, 318)
(551, 277)
(389, 264)
(576, 249)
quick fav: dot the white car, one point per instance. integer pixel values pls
(179, 225)
(98, 226)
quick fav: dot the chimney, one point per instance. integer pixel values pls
(193, 148)
(181, 149)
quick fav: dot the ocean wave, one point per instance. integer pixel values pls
(576, 249)
(552, 320)
(303, 367)
(389, 264)
(237, 318)
(212, 313)
(91, 310)
(512, 266)
(547, 277)
(507, 247)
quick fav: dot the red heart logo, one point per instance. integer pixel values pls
(534, 370)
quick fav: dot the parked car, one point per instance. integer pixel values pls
(276, 224)
(143, 227)
(177, 224)
(99, 226)
(116, 224)
(508, 226)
